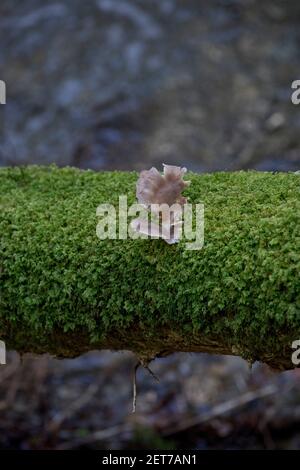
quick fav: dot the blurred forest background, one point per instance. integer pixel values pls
(127, 84)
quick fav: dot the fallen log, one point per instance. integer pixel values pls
(64, 291)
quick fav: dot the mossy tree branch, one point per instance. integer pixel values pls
(64, 291)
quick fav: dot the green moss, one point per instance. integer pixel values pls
(56, 275)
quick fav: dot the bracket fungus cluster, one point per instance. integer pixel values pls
(162, 194)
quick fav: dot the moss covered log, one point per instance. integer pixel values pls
(64, 291)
